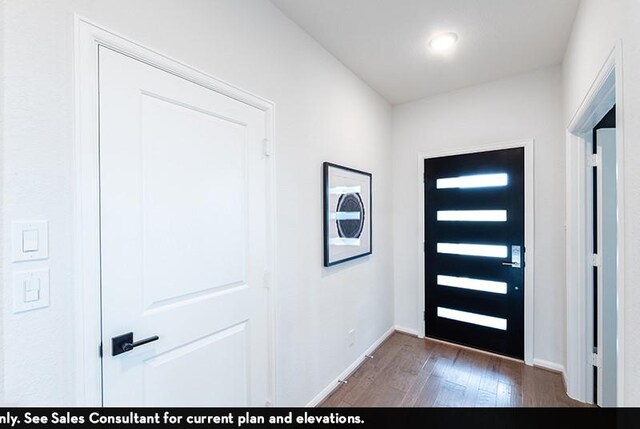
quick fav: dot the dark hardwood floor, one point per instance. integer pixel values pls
(411, 372)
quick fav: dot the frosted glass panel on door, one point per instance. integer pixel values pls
(487, 250)
(472, 215)
(473, 284)
(474, 181)
(474, 318)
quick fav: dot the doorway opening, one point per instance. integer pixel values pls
(595, 241)
(603, 230)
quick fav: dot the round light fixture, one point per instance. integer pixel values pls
(443, 42)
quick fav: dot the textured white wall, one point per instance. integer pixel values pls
(323, 113)
(597, 27)
(1, 183)
(522, 107)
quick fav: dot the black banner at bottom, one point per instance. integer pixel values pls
(445, 418)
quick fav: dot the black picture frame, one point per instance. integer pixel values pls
(367, 227)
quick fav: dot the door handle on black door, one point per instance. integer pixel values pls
(515, 258)
(124, 343)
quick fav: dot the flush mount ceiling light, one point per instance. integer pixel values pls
(443, 42)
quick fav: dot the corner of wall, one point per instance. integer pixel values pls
(324, 393)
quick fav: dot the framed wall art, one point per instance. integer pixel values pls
(347, 213)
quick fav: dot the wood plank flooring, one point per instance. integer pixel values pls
(411, 372)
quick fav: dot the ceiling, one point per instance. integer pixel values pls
(384, 41)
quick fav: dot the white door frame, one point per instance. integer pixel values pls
(605, 92)
(88, 36)
(529, 236)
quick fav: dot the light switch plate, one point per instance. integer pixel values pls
(30, 290)
(30, 240)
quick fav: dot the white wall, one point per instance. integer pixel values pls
(522, 107)
(323, 113)
(1, 168)
(598, 25)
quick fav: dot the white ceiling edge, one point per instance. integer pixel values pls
(385, 46)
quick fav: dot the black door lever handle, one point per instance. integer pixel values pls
(124, 343)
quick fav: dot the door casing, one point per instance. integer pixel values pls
(528, 235)
(605, 92)
(88, 36)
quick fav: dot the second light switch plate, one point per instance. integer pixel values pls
(30, 290)
(29, 240)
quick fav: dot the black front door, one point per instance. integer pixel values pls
(474, 250)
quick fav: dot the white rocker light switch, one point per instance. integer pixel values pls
(29, 240)
(30, 290)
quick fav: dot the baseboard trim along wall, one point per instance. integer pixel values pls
(324, 393)
(551, 366)
(408, 331)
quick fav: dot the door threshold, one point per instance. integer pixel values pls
(474, 349)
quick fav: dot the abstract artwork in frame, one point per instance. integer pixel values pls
(347, 213)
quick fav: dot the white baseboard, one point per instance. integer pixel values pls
(551, 366)
(555, 367)
(331, 386)
(408, 331)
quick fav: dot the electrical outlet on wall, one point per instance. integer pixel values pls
(352, 337)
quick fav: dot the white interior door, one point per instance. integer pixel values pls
(607, 227)
(183, 241)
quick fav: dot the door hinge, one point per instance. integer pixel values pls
(595, 360)
(595, 260)
(266, 147)
(267, 279)
(594, 160)
(100, 350)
